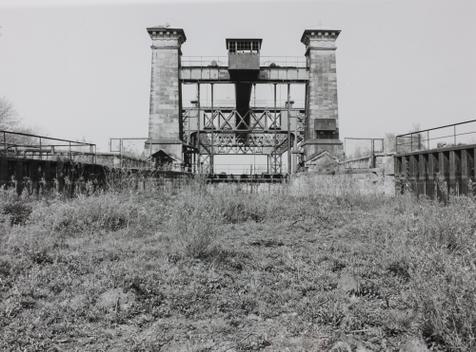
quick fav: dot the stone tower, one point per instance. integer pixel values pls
(321, 127)
(165, 91)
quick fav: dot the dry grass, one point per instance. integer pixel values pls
(319, 266)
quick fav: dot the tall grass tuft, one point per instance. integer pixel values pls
(14, 209)
(194, 224)
(93, 214)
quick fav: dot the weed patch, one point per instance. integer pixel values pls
(318, 263)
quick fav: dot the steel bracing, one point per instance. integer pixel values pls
(241, 143)
(260, 131)
(245, 128)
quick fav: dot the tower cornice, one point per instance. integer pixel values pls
(319, 35)
(160, 32)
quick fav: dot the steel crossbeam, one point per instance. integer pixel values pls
(232, 120)
(224, 131)
(272, 140)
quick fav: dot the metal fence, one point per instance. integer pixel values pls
(204, 61)
(32, 146)
(361, 153)
(290, 61)
(267, 61)
(241, 168)
(461, 133)
(131, 152)
(357, 147)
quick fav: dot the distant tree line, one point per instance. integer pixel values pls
(11, 121)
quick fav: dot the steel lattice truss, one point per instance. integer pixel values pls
(231, 120)
(300, 119)
(224, 131)
(242, 143)
(228, 119)
(205, 163)
(276, 163)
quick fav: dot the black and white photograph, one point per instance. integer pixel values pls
(237, 175)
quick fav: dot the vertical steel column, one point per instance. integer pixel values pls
(422, 175)
(405, 171)
(397, 167)
(473, 175)
(4, 167)
(457, 163)
(452, 172)
(121, 148)
(413, 173)
(295, 148)
(372, 153)
(199, 159)
(289, 131)
(431, 175)
(212, 157)
(443, 170)
(464, 171)
(273, 158)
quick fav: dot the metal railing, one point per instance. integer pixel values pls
(362, 151)
(290, 61)
(461, 133)
(241, 168)
(32, 146)
(130, 152)
(204, 61)
(255, 104)
(265, 61)
(356, 147)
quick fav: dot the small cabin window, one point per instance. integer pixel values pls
(244, 46)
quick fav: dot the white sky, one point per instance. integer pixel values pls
(81, 69)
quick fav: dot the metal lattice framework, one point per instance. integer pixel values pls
(238, 143)
(253, 121)
(300, 121)
(276, 163)
(224, 131)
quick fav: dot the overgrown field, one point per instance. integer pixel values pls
(313, 267)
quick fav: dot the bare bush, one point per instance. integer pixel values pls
(194, 224)
(8, 116)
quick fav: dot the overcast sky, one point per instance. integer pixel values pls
(82, 69)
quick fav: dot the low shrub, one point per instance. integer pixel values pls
(444, 292)
(14, 209)
(194, 225)
(240, 208)
(439, 265)
(105, 212)
(18, 212)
